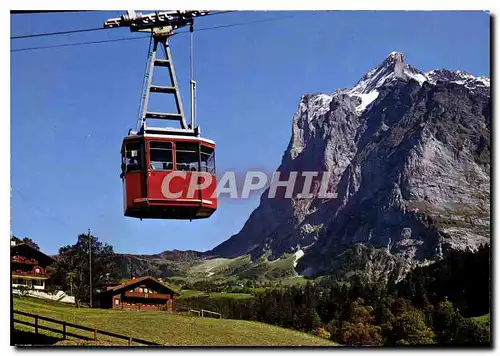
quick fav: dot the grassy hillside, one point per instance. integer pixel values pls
(168, 329)
(194, 267)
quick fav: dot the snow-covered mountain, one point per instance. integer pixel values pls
(395, 68)
(409, 154)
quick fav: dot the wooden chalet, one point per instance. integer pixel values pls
(28, 266)
(143, 293)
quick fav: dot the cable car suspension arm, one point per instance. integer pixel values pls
(142, 22)
(162, 26)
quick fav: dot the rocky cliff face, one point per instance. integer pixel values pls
(409, 157)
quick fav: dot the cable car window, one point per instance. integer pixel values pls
(187, 156)
(207, 159)
(161, 155)
(133, 156)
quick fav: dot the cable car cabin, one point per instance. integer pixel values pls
(168, 177)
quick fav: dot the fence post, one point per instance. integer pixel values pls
(95, 335)
(130, 341)
(64, 330)
(36, 324)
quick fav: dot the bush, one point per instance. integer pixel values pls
(447, 321)
(359, 330)
(472, 332)
(333, 329)
(360, 334)
(51, 289)
(24, 290)
(410, 329)
(321, 332)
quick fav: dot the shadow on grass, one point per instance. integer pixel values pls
(26, 339)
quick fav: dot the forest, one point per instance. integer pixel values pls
(445, 303)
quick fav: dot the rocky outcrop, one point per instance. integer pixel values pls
(409, 160)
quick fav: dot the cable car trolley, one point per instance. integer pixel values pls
(167, 172)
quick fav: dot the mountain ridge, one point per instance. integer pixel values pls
(388, 110)
(409, 157)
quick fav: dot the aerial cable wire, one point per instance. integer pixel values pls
(221, 12)
(243, 23)
(84, 29)
(25, 12)
(58, 33)
(79, 43)
(177, 33)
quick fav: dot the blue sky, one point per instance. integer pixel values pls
(71, 106)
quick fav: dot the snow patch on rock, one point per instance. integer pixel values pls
(458, 77)
(298, 256)
(366, 99)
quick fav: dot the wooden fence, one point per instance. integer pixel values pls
(203, 313)
(65, 333)
(179, 308)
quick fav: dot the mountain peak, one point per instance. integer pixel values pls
(395, 63)
(392, 68)
(396, 57)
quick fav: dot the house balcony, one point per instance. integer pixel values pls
(29, 281)
(30, 275)
(147, 295)
(24, 261)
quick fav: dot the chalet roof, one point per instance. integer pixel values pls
(133, 281)
(23, 248)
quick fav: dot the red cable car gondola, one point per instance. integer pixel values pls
(167, 173)
(161, 176)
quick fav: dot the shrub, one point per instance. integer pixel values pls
(447, 321)
(321, 332)
(472, 332)
(410, 328)
(359, 330)
(51, 289)
(360, 334)
(24, 290)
